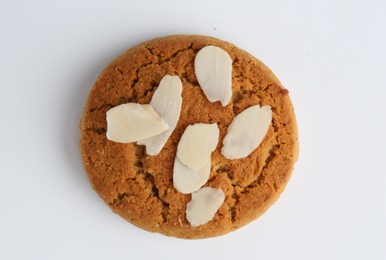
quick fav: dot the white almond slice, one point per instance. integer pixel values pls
(246, 132)
(213, 68)
(187, 180)
(197, 144)
(204, 205)
(132, 122)
(167, 102)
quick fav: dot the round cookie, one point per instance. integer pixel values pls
(139, 187)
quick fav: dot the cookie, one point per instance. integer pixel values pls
(139, 187)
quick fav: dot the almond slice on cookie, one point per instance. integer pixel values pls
(187, 180)
(132, 122)
(213, 68)
(197, 144)
(204, 205)
(167, 102)
(246, 132)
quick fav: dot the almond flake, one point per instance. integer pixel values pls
(132, 122)
(246, 132)
(197, 144)
(204, 205)
(187, 180)
(167, 102)
(213, 68)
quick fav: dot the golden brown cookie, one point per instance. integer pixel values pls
(139, 187)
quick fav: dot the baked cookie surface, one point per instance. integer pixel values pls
(139, 187)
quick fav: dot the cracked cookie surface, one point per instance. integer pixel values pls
(139, 187)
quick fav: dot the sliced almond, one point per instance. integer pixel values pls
(196, 144)
(133, 122)
(187, 180)
(246, 132)
(213, 68)
(167, 102)
(204, 205)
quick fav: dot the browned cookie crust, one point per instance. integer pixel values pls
(140, 187)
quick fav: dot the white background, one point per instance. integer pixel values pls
(329, 54)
